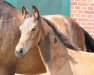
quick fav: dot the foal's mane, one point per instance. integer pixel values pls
(64, 39)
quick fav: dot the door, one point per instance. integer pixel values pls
(44, 6)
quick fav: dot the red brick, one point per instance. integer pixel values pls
(81, 11)
(77, 7)
(73, 3)
(90, 8)
(77, 15)
(90, 24)
(88, 30)
(84, 7)
(72, 0)
(90, 0)
(72, 15)
(83, 0)
(83, 4)
(83, 15)
(72, 7)
(88, 27)
(77, 0)
(92, 20)
(91, 4)
(83, 19)
(83, 23)
(89, 12)
(93, 31)
(90, 16)
(74, 11)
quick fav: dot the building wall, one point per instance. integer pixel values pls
(82, 11)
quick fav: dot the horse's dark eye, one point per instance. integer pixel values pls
(34, 29)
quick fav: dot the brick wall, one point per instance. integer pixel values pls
(82, 11)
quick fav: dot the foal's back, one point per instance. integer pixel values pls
(68, 27)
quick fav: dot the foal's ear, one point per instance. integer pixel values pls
(25, 13)
(35, 12)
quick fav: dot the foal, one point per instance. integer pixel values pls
(58, 59)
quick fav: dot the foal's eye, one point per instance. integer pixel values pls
(34, 29)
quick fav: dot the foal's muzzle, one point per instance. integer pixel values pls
(20, 52)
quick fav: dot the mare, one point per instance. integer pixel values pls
(10, 20)
(57, 58)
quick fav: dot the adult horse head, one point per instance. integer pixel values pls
(10, 20)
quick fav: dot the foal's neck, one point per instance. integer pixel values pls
(52, 54)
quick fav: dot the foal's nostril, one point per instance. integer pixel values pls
(20, 52)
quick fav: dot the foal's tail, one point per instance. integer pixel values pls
(89, 41)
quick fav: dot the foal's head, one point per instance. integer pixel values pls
(29, 31)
